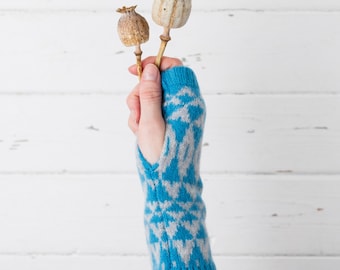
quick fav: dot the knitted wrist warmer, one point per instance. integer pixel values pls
(174, 214)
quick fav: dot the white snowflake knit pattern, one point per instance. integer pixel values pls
(174, 214)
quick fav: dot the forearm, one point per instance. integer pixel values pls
(174, 209)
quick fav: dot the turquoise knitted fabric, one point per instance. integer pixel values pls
(174, 214)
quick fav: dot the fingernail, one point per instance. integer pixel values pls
(150, 73)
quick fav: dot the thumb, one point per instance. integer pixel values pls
(150, 94)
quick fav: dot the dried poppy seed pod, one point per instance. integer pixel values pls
(133, 30)
(169, 14)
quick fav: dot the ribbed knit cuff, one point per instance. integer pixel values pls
(176, 78)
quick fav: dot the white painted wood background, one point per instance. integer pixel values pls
(269, 70)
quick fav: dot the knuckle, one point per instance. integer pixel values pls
(151, 94)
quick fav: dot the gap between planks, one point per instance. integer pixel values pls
(144, 255)
(143, 10)
(124, 93)
(203, 173)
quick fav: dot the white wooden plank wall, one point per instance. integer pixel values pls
(269, 70)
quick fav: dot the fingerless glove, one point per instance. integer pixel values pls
(175, 213)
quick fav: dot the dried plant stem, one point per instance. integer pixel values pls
(138, 53)
(165, 38)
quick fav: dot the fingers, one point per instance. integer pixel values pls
(146, 118)
(145, 100)
(133, 103)
(167, 62)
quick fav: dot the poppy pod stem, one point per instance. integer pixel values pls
(138, 52)
(165, 38)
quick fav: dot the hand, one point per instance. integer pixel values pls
(145, 104)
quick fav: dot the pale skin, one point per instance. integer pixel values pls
(145, 103)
